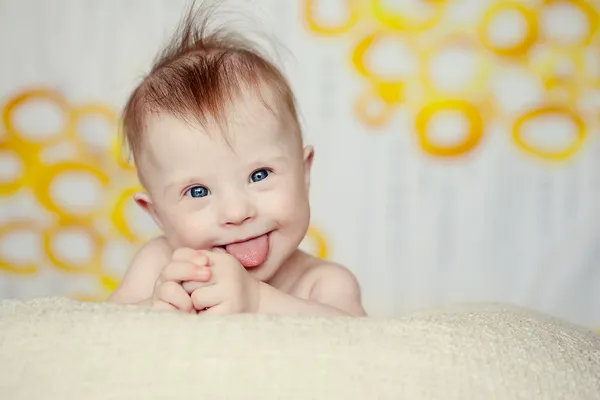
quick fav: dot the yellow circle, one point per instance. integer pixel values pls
(560, 88)
(10, 187)
(479, 80)
(102, 111)
(93, 265)
(27, 269)
(118, 214)
(319, 241)
(518, 49)
(472, 139)
(387, 95)
(372, 119)
(588, 9)
(36, 94)
(358, 59)
(47, 175)
(549, 155)
(315, 26)
(115, 123)
(399, 22)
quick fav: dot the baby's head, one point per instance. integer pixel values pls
(215, 137)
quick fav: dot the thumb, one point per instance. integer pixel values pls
(219, 250)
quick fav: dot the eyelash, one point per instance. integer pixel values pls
(188, 191)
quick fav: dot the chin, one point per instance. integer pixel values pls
(266, 270)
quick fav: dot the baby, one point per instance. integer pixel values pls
(218, 148)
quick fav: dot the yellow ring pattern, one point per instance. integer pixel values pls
(472, 138)
(93, 265)
(37, 94)
(118, 214)
(590, 13)
(397, 21)
(518, 49)
(42, 188)
(15, 226)
(319, 240)
(323, 30)
(546, 154)
(377, 103)
(27, 163)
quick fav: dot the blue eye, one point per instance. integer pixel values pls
(197, 191)
(259, 175)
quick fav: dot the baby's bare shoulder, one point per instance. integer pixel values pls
(328, 273)
(330, 283)
(155, 248)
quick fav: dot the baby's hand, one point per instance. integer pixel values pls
(231, 289)
(186, 265)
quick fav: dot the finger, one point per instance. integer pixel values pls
(217, 255)
(205, 297)
(173, 293)
(190, 255)
(190, 286)
(184, 271)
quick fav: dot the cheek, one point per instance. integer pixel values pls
(287, 205)
(188, 228)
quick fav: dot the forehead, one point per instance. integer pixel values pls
(252, 128)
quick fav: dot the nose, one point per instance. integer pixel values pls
(237, 208)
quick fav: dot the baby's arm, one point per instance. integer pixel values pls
(139, 280)
(334, 291)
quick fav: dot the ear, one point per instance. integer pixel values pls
(309, 154)
(143, 200)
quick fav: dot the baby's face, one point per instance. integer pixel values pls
(248, 192)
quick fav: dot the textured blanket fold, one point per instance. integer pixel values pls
(55, 348)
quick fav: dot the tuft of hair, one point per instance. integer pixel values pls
(199, 74)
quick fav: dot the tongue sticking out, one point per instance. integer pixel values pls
(250, 253)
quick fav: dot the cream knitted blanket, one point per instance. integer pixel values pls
(57, 349)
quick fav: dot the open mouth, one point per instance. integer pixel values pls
(250, 252)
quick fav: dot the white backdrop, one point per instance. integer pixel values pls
(457, 154)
